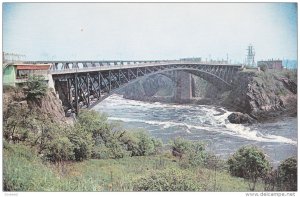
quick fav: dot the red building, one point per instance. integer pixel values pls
(271, 64)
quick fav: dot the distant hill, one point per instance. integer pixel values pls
(290, 64)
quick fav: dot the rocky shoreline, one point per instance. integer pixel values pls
(255, 96)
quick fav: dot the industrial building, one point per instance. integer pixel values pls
(271, 64)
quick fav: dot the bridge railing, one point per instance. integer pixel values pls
(107, 67)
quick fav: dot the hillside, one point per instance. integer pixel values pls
(24, 171)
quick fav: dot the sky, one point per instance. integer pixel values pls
(148, 31)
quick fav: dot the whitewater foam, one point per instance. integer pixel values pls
(201, 118)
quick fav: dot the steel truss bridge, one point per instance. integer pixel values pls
(83, 84)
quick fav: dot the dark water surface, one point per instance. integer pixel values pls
(205, 123)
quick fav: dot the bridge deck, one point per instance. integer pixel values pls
(126, 66)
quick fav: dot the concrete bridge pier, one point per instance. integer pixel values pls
(183, 89)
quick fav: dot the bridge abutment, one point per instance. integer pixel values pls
(183, 89)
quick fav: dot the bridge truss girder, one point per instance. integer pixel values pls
(87, 89)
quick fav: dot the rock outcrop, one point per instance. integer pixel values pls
(48, 107)
(240, 118)
(262, 95)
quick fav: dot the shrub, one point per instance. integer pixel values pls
(101, 152)
(116, 149)
(59, 150)
(181, 145)
(145, 144)
(92, 121)
(139, 143)
(192, 153)
(250, 163)
(288, 174)
(167, 180)
(82, 141)
(158, 144)
(36, 87)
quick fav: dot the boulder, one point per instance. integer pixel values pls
(239, 118)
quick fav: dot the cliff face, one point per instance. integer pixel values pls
(263, 95)
(48, 107)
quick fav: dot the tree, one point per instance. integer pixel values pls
(36, 87)
(288, 174)
(250, 163)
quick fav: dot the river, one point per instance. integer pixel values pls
(205, 123)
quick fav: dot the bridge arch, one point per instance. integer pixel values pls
(221, 84)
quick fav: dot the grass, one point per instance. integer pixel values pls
(25, 171)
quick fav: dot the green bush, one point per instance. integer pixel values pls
(168, 180)
(83, 142)
(92, 121)
(36, 87)
(139, 143)
(193, 153)
(181, 145)
(59, 149)
(158, 144)
(288, 174)
(250, 163)
(101, 152)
